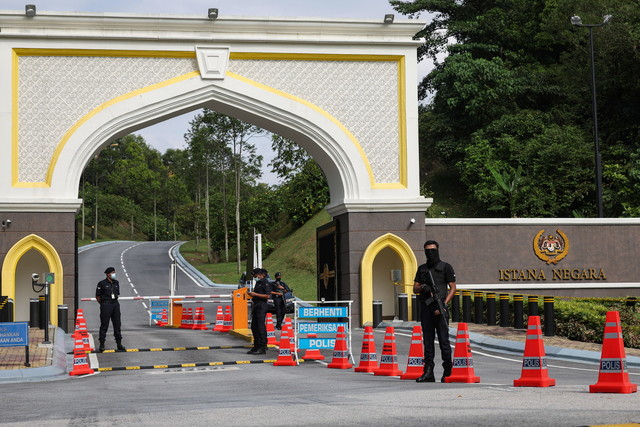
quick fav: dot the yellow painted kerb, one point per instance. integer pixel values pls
(81, 52)
(409, 267)
(54, 263)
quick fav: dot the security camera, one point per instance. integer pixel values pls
(412, 220)
(8, 222)
(35, 277)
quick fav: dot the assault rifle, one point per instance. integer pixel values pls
(434, 292)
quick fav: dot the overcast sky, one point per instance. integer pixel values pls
(170, 134)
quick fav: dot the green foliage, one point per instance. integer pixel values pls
(513, 94)
(583, 320)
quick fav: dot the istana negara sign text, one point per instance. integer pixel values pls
(551, 249)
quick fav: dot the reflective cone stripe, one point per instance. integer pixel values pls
(183, 320)
(368, 356)
(199, 320)
(219, 320)
(271, 330)
(163, 320)
(415, 362)
(389, 356)
(228, 321)
(340, 358)
(313, 353)
(462, 371)
(288, 329)
(285, 355)
(80, 360)
(534, 362)
(613, 376)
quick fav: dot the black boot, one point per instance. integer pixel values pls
(253, 350)
(447, 370)
(101, 348)
(427, 376)
(119, 346)
(261, 350)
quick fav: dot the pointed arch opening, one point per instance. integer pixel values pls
(19, 260)
(385, 253)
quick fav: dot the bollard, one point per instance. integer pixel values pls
(491, 309)
(466, 306)
(6, 310)
(478, 304)
(415, 308)
(549, 318)
(403, 307)
(34, 313)
(455, 307)
(377, 313)
(504, 310)
(518, 312)
(42, 310)
(532, 305)
(63, 318)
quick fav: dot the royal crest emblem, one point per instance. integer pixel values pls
(549, 248)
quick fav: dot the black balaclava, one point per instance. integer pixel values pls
(433, 256)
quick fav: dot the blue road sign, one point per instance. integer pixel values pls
(14, 334)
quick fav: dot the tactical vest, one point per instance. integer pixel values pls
(438, 276)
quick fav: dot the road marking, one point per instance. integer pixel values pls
(216, 347)
(183, 365)
(129, 278)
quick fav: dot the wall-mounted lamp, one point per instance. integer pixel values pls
(213, 13)
(5, 223)
(30, 10)
(388, 18)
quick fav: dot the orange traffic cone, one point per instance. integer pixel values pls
(389, 357)
(287, 328)
(368, 356)
(81, 332)
(80, 360)
(534, 363)
(271, 331)
(228, 321)
(163, 320)
(340, 358)
(613, 376)
(199, 320)
(285, 357)
(219, 320)
(415, 363)
(313, 353)
(184, 319)
(462, 371)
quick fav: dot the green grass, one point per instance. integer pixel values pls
(294, 256)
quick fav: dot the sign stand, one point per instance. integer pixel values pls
(322, 311)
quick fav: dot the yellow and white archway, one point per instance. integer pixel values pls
(54, 264)
(407, 261)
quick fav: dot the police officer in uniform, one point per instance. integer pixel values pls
(259, 297)
(278, 292)
(432, 320)
(107, 294)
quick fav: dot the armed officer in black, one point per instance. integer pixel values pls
(259, 297)
(278, 292)
(107, 294)
(432, 319)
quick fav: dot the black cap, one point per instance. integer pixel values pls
(109, 270)
(264, 271)
(256, 271)
(278, 274)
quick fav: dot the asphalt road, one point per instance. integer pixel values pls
(261, 394)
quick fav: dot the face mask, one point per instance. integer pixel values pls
(433, 257)
(112, 275)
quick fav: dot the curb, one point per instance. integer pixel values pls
(57, 370)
